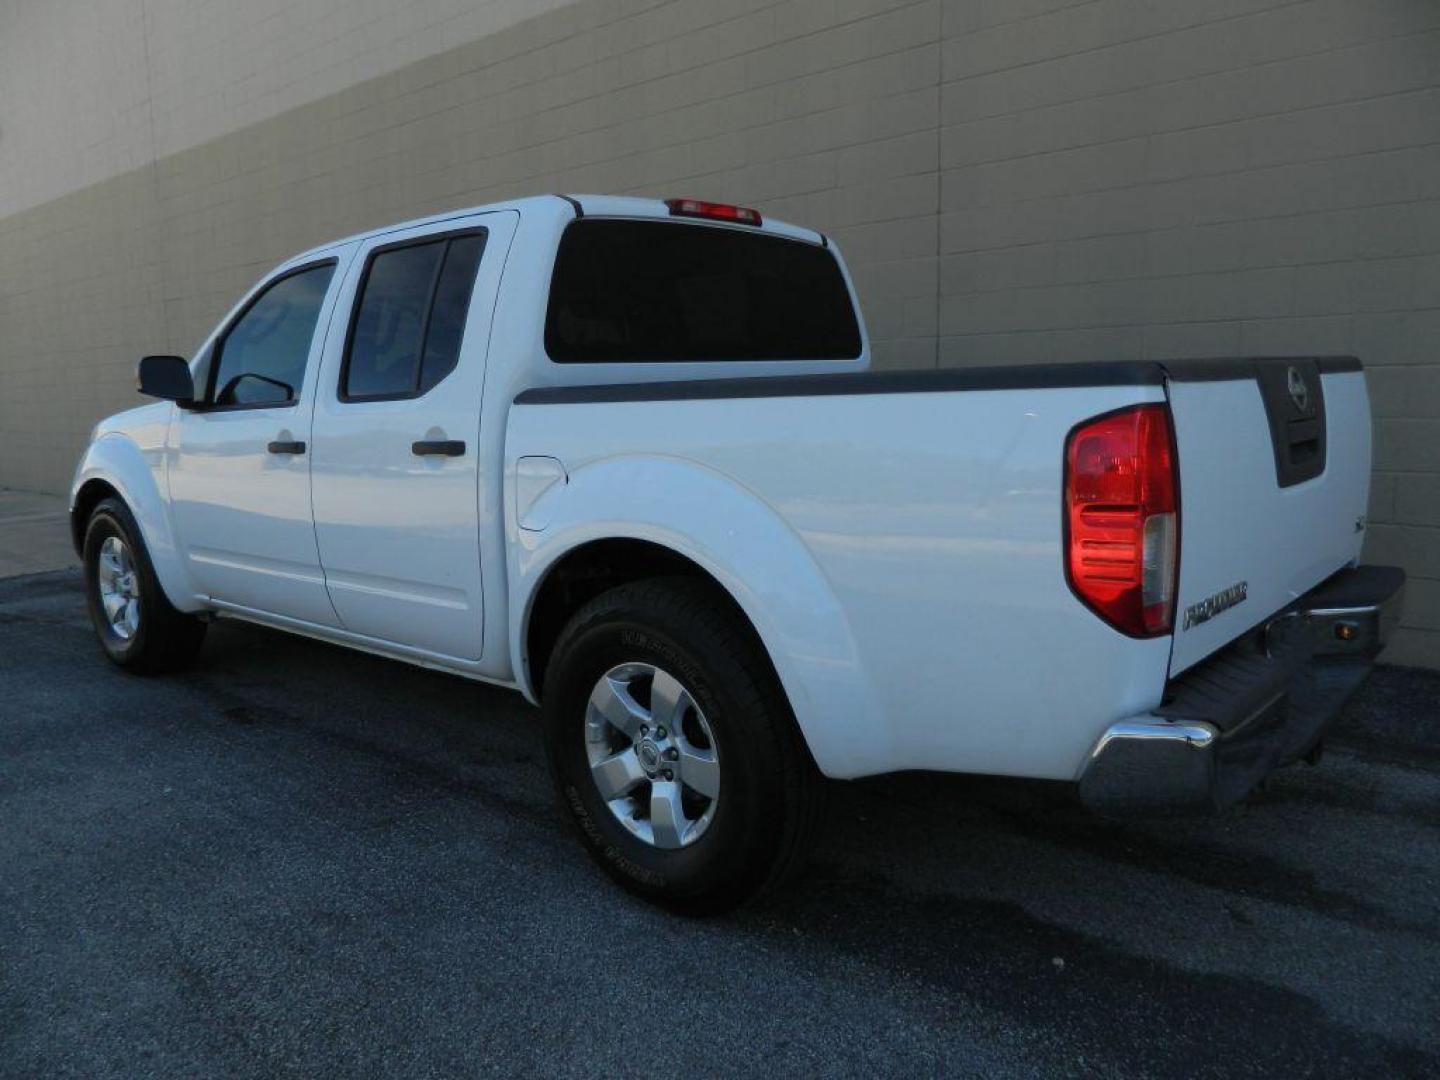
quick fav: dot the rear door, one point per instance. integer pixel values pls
(1274, 476)
(395, 472)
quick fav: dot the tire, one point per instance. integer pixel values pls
(150, 636)
(625, 653)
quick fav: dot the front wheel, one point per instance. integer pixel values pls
(673, 747)
(137, 626)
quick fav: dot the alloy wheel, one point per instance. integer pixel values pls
(652, 755)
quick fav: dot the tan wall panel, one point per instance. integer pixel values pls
(109, 85)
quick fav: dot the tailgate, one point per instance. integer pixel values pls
(1274, 462)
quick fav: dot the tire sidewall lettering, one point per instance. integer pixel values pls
(611, 853)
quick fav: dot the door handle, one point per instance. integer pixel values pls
(281, 446)
(438, 448)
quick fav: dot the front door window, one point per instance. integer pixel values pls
(261, 359)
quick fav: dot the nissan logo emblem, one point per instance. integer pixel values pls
(1299, 392)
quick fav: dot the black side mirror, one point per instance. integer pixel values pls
(166, 377)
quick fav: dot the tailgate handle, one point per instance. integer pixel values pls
(1294, 397)
(1303, 439)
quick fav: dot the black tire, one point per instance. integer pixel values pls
(770, 797)
(165, 639)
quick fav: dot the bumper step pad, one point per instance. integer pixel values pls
(1261, 703)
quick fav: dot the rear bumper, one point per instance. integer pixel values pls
(1262, 702)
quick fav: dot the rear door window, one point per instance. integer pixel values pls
(658, 291)
(448, 310)
(410, 317)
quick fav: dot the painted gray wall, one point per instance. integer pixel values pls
(1012, 180)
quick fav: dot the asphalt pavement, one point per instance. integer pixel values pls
(297, 859)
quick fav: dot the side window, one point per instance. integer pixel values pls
(261, 359)
(447, 313)
(390, 322)
(410, 317)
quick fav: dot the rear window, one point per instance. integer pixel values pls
(655, 291)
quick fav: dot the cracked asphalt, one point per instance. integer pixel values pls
(296, 859)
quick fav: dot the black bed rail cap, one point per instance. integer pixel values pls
(928, 380)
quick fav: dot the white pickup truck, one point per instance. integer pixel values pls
(626, 457)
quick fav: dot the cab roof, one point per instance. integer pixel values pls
(607, 206)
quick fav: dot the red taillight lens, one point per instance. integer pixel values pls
(740, 215)
(1121, 506)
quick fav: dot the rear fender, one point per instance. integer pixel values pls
(135, 475)
(755, 556)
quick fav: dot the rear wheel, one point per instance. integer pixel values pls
(673, 748)
(137, 626)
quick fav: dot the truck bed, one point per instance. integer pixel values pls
(930, 503)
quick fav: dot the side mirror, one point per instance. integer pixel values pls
(166, 377)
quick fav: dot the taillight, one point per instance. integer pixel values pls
(699, 208)
(1121, 508)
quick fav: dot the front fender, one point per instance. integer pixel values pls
(135, 474)
(755, 556)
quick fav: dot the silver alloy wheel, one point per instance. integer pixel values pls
(119, 584)
(652, 755)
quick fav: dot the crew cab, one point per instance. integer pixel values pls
(627, 457)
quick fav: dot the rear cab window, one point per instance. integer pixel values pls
(644, 291)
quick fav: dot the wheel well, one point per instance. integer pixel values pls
(90, 495)
(583, 574)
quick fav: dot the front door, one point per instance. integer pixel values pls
(239, 468)
(396, 436)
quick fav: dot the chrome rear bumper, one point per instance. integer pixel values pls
(1262, 702)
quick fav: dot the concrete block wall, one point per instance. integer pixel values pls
(1012, 180)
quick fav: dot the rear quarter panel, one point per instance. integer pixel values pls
(933, 524)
